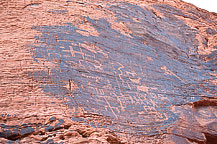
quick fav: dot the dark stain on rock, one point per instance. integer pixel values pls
(205, 102)
(58, 11)
(49, 128)
(26, 131)
(142, 74)
(211, 139)
(61, 121)
(31, 4)
(15, 132)
(52, 119)
(210, 31)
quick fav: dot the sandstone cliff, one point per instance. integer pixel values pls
(95, 71)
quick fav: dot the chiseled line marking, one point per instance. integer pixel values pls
(167, 71)
(122, 107)
(111, 108)
(121, 73)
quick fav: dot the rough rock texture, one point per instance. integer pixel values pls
(107, 72)
(56, 131)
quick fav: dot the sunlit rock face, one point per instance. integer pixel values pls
(108, 72)
(133, 70)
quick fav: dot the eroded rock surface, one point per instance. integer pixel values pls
(107, 72)
(56, 131)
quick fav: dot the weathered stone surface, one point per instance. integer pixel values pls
(211, 31)
(49, 128)
(26, 131)
(143, 69)
(52, 119)
(26, 134)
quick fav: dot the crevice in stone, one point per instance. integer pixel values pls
(210, 138)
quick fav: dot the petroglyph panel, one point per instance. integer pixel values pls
(134, 78)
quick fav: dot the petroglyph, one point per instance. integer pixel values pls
(133, 63)
(144, 69)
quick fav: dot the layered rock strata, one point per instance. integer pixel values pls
(107, 72)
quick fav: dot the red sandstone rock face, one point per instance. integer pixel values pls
(107, 72)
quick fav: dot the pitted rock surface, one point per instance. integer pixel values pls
(145, 70)
(47, 133)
